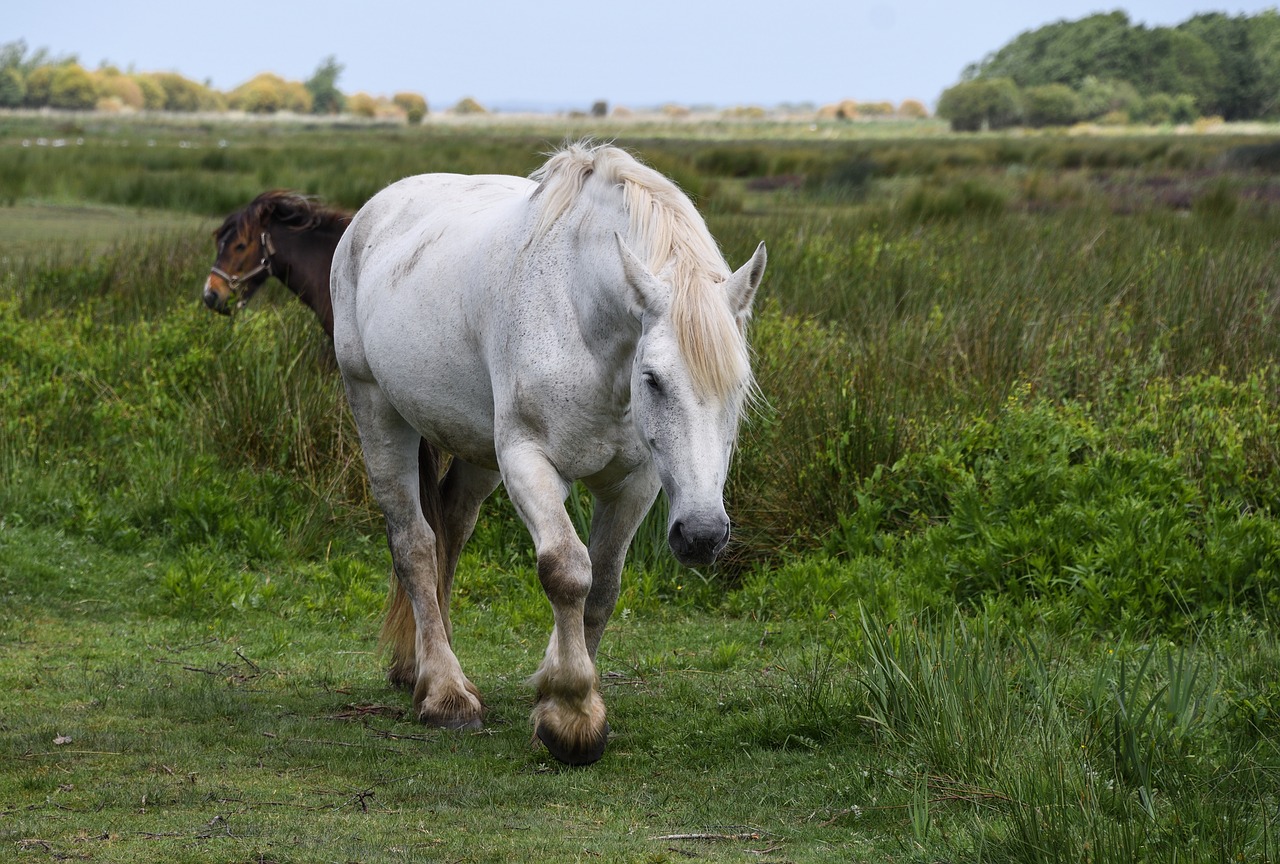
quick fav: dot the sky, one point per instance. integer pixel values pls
(564, 54)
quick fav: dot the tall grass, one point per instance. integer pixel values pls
(891, 337)
(1005, 572)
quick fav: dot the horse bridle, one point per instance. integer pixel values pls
(235, 281)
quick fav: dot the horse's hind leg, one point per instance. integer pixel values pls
(464, 488)
(442, 694)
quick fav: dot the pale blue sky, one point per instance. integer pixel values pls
(566, 54)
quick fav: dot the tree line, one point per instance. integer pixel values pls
(37, 79)
(1104, 68)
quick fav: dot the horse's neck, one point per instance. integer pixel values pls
(303, 260)
(602, 301)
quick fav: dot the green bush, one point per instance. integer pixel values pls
(987, 103)
(72, 87)
(1051, 105)
(413, 105)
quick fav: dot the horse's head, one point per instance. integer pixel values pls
(243, 262)
(689, 382)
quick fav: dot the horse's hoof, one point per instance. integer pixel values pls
(588, 754)
(401, 679)
(458, 722)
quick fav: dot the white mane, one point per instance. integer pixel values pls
(669, 235)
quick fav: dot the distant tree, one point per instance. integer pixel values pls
(1099, 97)
(112, 84)
(1065, 52)
(1160, 108)
(1051, 105)
(153, 94)
(1236, 44)
(913, 109)
(1265, 40)
(414, 106)
(14, 55)
(326, 98)
(600, 108)
(971, 106)
(467, 105)
(1179, 62)
(1184, 108)
(13, 89)
(268, 93)
(39, 86)
(1229, 66)
(875, 109)
(72, 87)
(363, 105)
(183, 94)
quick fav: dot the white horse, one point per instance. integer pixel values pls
(578, 325)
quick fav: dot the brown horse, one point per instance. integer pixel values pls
(292, 237)
(281, 234)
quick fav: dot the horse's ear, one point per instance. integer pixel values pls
(742, 285)
(648, 292)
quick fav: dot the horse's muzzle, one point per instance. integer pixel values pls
(698, 540)
(215, 302)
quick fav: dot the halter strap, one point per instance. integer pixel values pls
(234, 281)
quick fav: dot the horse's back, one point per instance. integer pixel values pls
(426, 213)
(410, 282)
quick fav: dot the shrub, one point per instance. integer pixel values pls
(731, 161)
(990, 103)
(1051, 105)
(363, 105)
(413, 105)
(1099, 98)
(268, 93)
(153, 95)
(39, 86)
(913, 109)
(185, 95)
(875, 109)
(1160, 108)
(72, 87)
(112, 85)
(469, 106)
(966, 198)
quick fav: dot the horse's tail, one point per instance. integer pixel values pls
(399, 630)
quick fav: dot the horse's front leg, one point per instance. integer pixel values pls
(569, 717)
(619, 510)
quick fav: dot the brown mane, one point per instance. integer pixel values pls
(290, 209)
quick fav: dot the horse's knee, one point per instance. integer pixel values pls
(565, 573)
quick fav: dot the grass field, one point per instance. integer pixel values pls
(1007, 563)
(35, 229)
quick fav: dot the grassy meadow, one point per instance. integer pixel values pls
(1006, 569)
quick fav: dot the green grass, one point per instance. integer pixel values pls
(42, 230)
(1004, 585)
(142, 724)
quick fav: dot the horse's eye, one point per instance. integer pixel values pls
(240, 247)
(652, 382)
